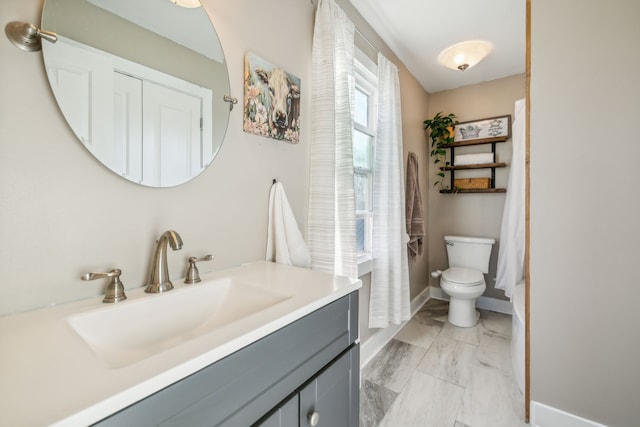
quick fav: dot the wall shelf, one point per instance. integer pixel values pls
(493, 166)
(478, 142)
(475, 190)
(479, 166)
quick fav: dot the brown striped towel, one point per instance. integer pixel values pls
(413, 207)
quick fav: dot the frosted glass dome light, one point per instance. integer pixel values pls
(187, 3)
(464, 55)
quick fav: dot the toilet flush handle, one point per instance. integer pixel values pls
(450, 243)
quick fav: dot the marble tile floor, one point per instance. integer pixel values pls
(434, 374)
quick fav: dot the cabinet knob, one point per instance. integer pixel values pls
(314, 418)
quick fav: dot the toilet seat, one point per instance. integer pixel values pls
(463, 276)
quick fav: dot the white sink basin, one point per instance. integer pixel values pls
(135, 329)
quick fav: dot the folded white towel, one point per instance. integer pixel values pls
(473, 159)
(285, 244)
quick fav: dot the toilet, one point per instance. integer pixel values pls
(464, 281)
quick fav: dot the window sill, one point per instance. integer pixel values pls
(365, 265)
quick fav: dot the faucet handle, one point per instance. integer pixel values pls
(115, 288)
(193, 275)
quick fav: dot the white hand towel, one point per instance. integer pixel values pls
(473, 159)
(285, 244)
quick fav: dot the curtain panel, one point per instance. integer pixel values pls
(390, 299)
(331, 219)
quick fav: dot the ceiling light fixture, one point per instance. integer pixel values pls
(187, 3)
(464, 55)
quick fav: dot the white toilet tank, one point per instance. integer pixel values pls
(469, 252)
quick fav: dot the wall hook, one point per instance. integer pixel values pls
(27, 36)
(231, 100)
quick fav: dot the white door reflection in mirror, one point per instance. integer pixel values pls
(147, 126)
(80, 78)
(127, 127)
(172, 136)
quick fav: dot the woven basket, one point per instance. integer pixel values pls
(467, 183)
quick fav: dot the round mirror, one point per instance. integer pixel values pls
(141, 83)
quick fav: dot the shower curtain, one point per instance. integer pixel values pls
(512, 233)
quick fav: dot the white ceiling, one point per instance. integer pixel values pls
(418, 30)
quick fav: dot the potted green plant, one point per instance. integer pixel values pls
(442, 135)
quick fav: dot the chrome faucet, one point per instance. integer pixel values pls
(159, 275)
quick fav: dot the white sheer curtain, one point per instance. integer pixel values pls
(389, 301)
(331, 221)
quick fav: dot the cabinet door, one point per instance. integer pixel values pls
(331, 399)
(286, 415)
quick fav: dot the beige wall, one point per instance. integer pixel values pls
(63, 214)
(472, 214)
(585, 205)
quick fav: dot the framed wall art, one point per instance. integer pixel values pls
(484, 130)
(271, 100)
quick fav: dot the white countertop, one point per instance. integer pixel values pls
(50, 376)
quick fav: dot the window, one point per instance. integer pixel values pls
(364, 137)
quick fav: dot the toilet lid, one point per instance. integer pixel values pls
(463, 276)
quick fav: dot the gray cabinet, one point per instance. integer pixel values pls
(285, 415)
(310, 365)
(331, 398)
(333, 395)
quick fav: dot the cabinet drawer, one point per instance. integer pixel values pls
(239, 389)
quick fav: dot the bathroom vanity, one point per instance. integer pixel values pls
(293, 359)
(311, 364)
(258, 344)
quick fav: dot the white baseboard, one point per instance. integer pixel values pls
(546, 416)
(486, 303)
(374, 344)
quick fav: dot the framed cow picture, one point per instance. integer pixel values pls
(271, 100)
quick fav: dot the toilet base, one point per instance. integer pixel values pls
(463, 313)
